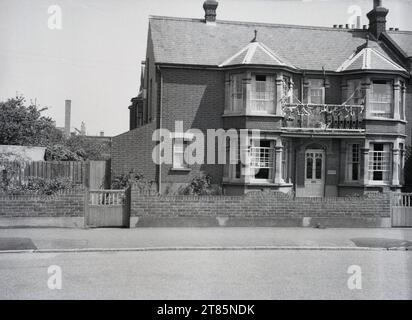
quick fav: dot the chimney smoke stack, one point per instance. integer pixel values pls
(210, 10)
(67, 115)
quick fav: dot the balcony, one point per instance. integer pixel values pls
(322, 117)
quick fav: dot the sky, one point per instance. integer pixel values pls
(91, 52)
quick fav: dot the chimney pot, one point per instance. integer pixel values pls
(377, 19)
(377, 3)
(210, 10)
(340, 26)
(347, 26)
(335, 25)
(67, 116)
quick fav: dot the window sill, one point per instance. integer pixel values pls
(384, 119)
(252, 115)
(180, 169)
(260, 184)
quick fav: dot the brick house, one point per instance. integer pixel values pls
(333, 105)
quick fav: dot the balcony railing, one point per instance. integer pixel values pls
(323, 116)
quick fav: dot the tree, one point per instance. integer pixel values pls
(25, 125)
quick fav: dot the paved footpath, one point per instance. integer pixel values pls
(59, 238)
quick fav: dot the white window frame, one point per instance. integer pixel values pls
(258, 162)
(237, 105)
(378, 113)
(266, 97)
(315, 84)
(179, 146)
(380, 161)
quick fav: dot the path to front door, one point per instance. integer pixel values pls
(314, 173)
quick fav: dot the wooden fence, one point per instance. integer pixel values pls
(92, 174)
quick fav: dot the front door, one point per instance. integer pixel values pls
(314, 173)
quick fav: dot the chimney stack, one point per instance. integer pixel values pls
(210, 10)
(67, 115)
(377, 19)
(102, 133)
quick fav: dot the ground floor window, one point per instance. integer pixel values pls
(179, 147)
(286, 160)
(233, 164)
(261, 159)
(353, 157)
(380, 162)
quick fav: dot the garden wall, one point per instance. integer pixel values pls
(260, 209)
(62, 204)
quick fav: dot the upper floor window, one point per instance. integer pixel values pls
(402, 100)
(236, 93)
(263, 94)
(355, 94)
(381, 102)
(314, 92)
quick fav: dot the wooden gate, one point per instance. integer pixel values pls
(401, 209)
(107, 208)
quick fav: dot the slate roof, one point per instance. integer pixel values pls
(255, 53)
(403, 39)
(193, 42)
(370, 57)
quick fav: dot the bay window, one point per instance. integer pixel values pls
(355, 94)
(285, 160)
(402, 100)
(381, 102)
(353, 162)
(263, 94)
(380, 163)
(237, 104)
(233, 164)
(261, 160)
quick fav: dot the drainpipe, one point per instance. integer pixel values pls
(160, 125)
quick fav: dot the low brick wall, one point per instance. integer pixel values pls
(62, 204)
(369, 210)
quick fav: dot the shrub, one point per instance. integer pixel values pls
(38, 186)
(132, 178)
(201, 185)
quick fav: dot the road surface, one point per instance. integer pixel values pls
(214, 274)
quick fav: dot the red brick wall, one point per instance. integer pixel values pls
(63, 204)
(133, 150)
(195, 97)
(266, 204)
